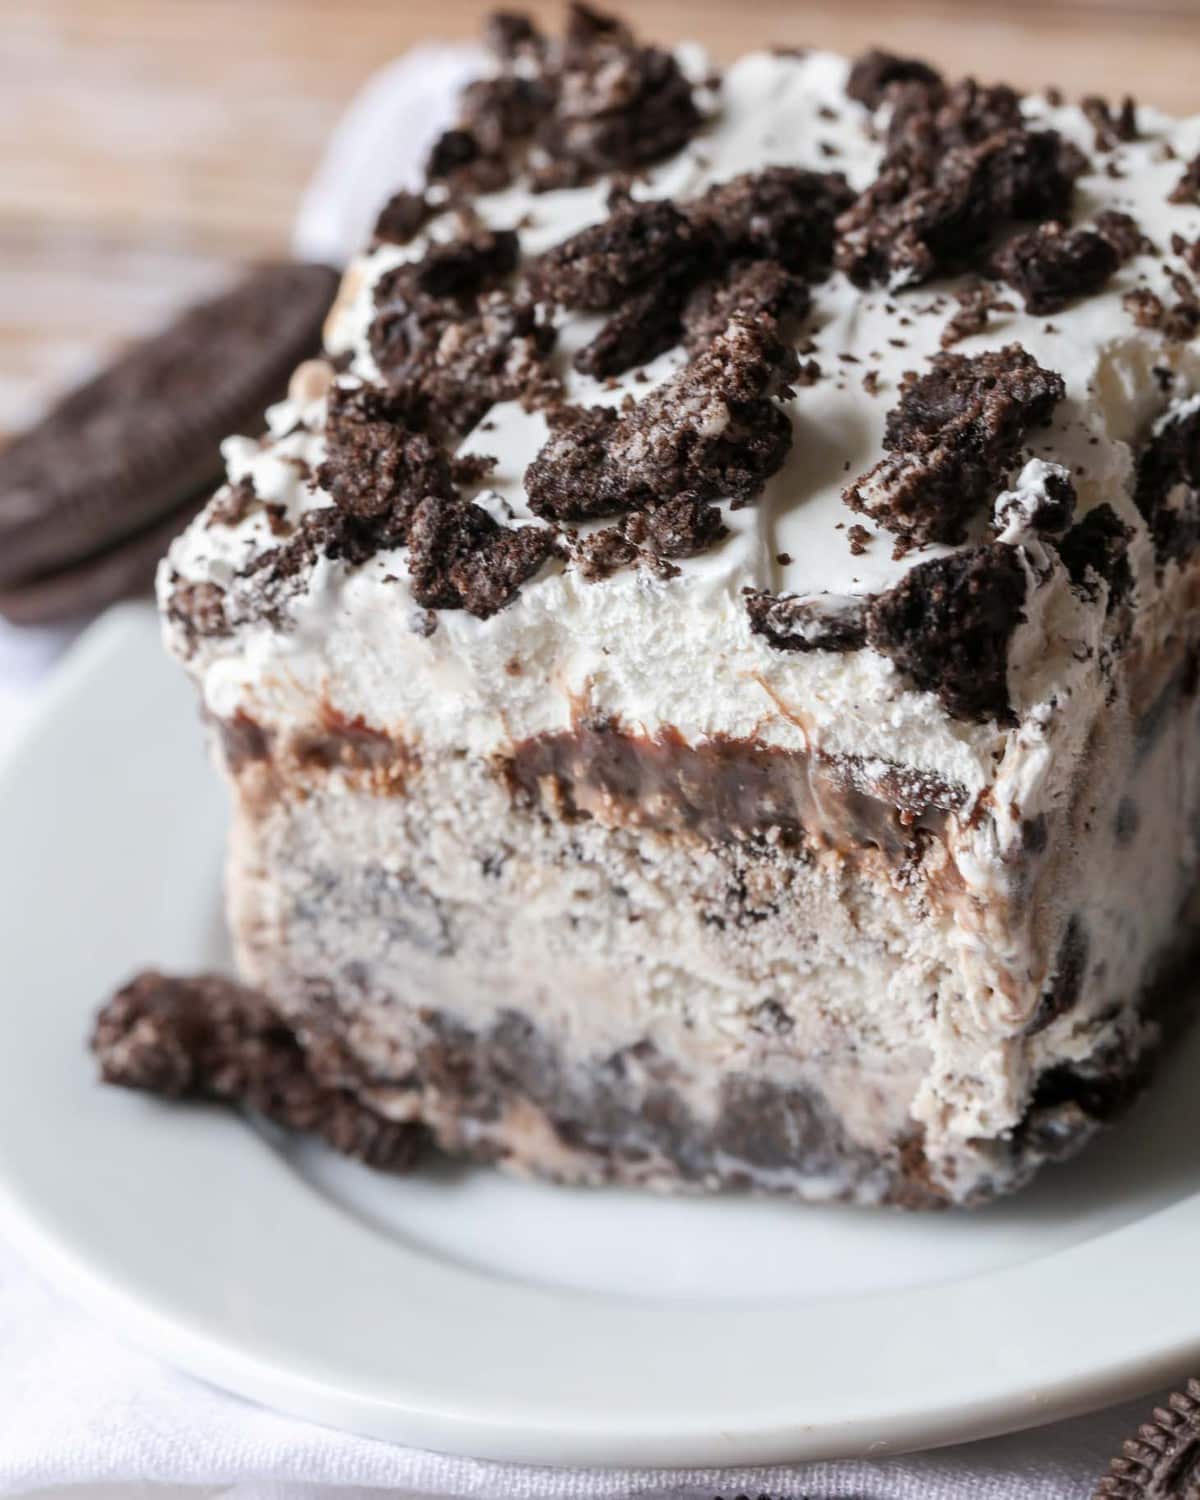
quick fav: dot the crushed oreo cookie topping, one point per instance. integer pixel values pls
(977, 301)
(875, 72)
(656, 538)
(960, 165)
(1051, 266)
(562, 113)
(947, 625)
(952, 439)
(647, 260)
(713, 430)
(784, 214)
(1112, 127)
(460, 558)
(740, 272)
(1187, 189)
(402, 217)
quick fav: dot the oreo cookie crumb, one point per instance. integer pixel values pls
(603, 553)
(783, 214)
(1096, 551)
(644, 327)
(460, 558)
(947, 625)
(1047, 508)
(1124, 234)
(198, 609)
(820, 622)
(1112, 129)
(1051, 266)
(597, 268)
(233, 504)
(875, 72)
(400, 218)
(1187, 189)
(755, 292)
(678, 528)
(1146, 308)
(977, 300)
(450, 341)
(934, 209)
(561, 114)
(617, 105)
(373, 469)
(512, 34)
(711, 430)
(683, 526)
(951, 439)
(1167, 487)
(859, 538)
(209, 1038)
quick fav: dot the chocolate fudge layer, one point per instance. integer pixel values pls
(709, 664)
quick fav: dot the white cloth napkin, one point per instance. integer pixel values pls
(79, 1409)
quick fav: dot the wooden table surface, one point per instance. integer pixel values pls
(145, 145)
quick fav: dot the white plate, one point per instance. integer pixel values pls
(463, 1311)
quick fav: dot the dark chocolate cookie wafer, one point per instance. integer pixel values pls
(129, 448)
(120, 572)
(1163, 1461)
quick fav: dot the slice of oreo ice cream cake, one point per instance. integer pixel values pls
(708, 662)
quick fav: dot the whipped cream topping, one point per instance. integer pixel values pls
(678, 652)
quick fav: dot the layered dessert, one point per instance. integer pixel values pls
(707, 664)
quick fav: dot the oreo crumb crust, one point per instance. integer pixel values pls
(1162, 1462)
(947, 626)
(210, 1038)
(952, 439)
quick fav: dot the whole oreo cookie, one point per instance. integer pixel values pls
(90, 497)
(1163, 1461)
